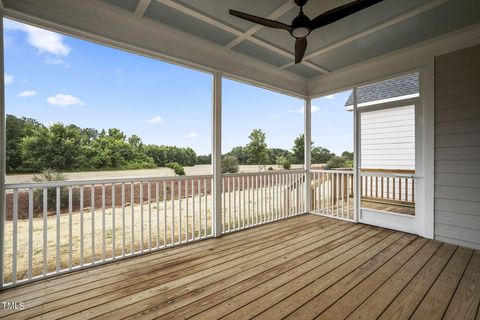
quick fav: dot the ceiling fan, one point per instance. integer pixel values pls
(302, 26)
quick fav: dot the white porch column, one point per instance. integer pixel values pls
(308, 151)
(2, 154)
(217, 154)
(356, 159)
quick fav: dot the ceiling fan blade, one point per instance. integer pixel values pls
(341, 12)
(262, 21)
(300, 47)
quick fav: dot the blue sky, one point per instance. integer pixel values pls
(56, 78)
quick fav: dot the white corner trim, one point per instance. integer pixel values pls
(426, 224)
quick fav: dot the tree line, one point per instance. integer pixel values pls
(257, 152)
(33, 147)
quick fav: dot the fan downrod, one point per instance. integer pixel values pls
(300, 3)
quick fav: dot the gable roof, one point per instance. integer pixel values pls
(387, 89)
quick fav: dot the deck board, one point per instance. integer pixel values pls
(305, 267)
(439, 296)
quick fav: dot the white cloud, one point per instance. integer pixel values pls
(314, 109)
(331, 97)
(55, 61)
(289, 111)
(27, 93)
(191, 135)
(44, 40)
(274, 116)
(8, 78)
(155, 120)
(64, 100)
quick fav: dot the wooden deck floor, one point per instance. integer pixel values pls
(302, 268)
(390, 207)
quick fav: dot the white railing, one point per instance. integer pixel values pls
(55, 227)
(332, 193)
(388, 186)
(250, 199)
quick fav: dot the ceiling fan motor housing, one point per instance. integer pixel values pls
(300, 26)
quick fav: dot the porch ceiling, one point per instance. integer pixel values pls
(203, 34)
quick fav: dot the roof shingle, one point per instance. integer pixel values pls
(391, 88)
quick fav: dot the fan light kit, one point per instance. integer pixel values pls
(302, 26)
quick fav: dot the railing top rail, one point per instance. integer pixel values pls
(333, 171)
(403, 171)
(73, 183)
(386, 175)
(240, 174)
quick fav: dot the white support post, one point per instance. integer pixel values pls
(356, 158)
(2, 156)
(308, 151)
(217, 154)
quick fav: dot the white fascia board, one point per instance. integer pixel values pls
(374, 102)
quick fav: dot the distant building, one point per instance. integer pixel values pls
(387, 135)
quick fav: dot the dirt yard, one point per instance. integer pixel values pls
(140, 173)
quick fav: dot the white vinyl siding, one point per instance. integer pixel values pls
(457, 147)
(388, 138)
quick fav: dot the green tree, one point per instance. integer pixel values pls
(135, 141)
(299, 149)
(190, 158)
(16, 130)
(204, 159)
(162, 155)
(176, 167)
(257, 148)
(347, 155)
(339, 162)
(112, 151)
(58, 147)
(240, 153)
(32, 147)
(157, 153)
(284, 162)
(321, 155)
(275, 153)
(230, 164)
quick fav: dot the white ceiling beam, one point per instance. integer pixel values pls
(227, 28)
(378, 27)
(286, 54)
(142, 6)
(200, 16)
(277, 13)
